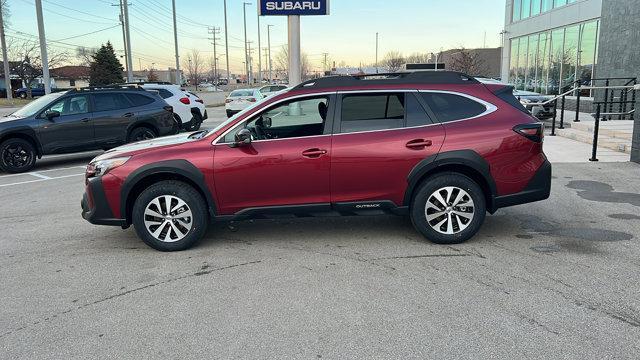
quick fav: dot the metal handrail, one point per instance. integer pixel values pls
(615, 113)
(631, 87)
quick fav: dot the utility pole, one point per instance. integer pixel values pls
(246, 51)
(125, 6)
(250, 63)
(269, 48)
(226, 42)
(175, 40)
(376, 53)
(214, 31)
(5, 58)
(259, 57)
(266, 58)
(43, 49)
(124, 34)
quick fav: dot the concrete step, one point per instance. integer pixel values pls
(605, 141)
(607, 128)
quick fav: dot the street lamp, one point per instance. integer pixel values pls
(269, 51)
(246, 51)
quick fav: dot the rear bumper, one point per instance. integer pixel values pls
(95, 208)
(538, 188)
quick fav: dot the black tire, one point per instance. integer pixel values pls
(195, 122)
(195, 203)
(23, 95)
(17, 155)
(461, 229)
(229, 113)
(141, 133)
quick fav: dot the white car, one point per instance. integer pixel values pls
(241, 99)
(269, 90)
(188, 108)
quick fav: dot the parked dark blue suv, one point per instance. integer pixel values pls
(81, 120)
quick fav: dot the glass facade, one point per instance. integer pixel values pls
(553, 61)
(523, 9)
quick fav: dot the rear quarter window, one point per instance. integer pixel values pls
(164, 93)
(451, 107)
(139, 100)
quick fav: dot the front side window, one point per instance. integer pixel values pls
(372, 112)
(297, 118)
(451, 107)
(71, 105)
(110, 101)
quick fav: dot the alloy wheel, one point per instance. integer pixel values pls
(16, 156)
(449, 210)
(145, 135)
(168, 218)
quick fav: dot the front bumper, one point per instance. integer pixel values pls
(538, 188)
(95, 208)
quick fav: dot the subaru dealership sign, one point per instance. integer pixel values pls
(294, 7)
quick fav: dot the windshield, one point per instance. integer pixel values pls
(36, 105)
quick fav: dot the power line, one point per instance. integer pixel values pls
(89, 33)
(76, 10)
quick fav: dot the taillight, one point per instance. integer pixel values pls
(251, 99)
(228, 101)
(168, 108)
(185, 100)
(532, 131)
(200, 101)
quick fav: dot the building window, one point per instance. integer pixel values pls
(554, 61)
(517, 6)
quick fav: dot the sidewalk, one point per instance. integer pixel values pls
(563, 150)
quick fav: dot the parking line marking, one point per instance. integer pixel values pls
(42, 171)
(39, 175)
(39, 180)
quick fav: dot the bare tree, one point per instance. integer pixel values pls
(418, 58)
(29, 67)
(467, 62)
(282, 63)
(195, 67)
(393, 61)
(152, 76)
(85, 55)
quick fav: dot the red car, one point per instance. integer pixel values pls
(440, 147)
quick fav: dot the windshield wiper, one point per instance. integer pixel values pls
(198, 134)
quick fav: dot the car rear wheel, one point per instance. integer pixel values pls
(195, 122)
(141, 133)
(17, 155)
(170, 216)
(448, 208)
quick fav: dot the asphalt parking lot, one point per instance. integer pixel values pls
(554, 279)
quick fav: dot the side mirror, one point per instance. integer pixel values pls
(51, 114)
(243, 137)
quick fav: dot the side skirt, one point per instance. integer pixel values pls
(360, 208)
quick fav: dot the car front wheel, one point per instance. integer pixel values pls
(448, 208)
(141, 133)
(17, 155)
(170, 216)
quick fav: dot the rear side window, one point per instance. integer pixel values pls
(450, 107)
(110, 101)
(164, 93)
(139, 100)
(372, 112)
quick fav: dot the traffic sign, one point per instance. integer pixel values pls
(293, 7)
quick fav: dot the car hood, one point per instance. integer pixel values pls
(146, 145)
(9, 118)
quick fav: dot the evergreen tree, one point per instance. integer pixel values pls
(106, 68)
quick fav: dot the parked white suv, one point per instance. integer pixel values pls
(188, 108)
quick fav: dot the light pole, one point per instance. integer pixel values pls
(246, 51)
(125, 7)
(175, 40)
(5, 59)
(259, 57)
(295, 67)
(269, 51)
(376, 53)
(226, 42)
(43, 50)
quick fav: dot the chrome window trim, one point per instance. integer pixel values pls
(490, 108)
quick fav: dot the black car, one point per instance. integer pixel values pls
(81, 120)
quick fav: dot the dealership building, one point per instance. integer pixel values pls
(550, 45)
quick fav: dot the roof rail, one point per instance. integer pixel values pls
(406, 77)
(108, 87)
(151, 82)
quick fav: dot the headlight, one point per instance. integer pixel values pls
(525, 101)
(101, 167)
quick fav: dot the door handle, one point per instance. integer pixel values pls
(314, 153)
(418, 144)
(127, 115)
(85, 120)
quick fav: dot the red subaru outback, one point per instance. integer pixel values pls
(440, 147)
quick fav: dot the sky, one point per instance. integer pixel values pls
(347, 34)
